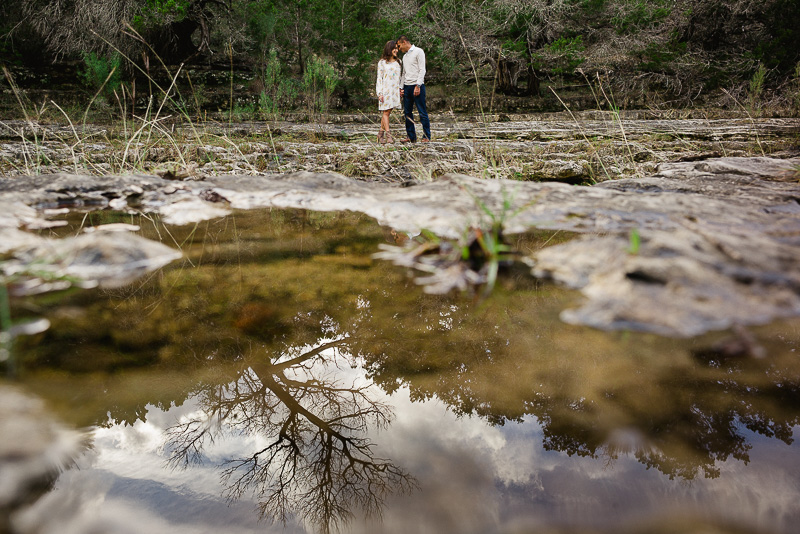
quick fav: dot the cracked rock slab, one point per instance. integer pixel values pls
(719, 238)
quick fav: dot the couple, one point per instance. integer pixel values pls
(402, 78)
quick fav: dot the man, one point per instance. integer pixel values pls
(414, 90)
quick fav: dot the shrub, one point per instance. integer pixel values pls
(756, 89)
(101, 72)
(638, 14)
(567, 54)
(319, 81)
(279, 90)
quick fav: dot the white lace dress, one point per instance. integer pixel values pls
(388, 85)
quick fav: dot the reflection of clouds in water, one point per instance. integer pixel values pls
(447, 456)
(769, 495)
(478, 478)
(473, 478)
(100, 502)
(126, 471)
(122, 486)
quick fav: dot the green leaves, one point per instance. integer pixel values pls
(635, 241)
(638, 14)
(177, 8)
(566, 53)
(319, 81)
(101, 72)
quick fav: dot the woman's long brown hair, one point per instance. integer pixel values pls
(387, 50)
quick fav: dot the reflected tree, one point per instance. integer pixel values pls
(316, 462)
(680, 415)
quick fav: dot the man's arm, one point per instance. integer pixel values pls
(421, 64)
(421, 75)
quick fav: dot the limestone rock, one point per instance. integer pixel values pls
(720, 238)
(34, 449)
(102, 258)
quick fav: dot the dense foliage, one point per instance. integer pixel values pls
(666, 49)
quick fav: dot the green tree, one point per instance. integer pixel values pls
(680, 48)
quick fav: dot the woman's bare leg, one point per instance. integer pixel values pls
(387, 135)
(385, 120)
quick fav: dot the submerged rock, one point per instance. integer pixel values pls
(99, 258)
(190, 210)
(108, 260)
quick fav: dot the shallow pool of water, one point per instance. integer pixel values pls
(279, 379)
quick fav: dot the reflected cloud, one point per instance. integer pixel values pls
(100, 503)
(476, 478)
(669, 410)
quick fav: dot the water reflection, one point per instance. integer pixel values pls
(262, 284)
(316, 461)
(670, 410)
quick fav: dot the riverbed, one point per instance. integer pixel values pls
(568, 323)
(281, 379)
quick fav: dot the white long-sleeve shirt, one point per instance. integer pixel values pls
(414, 66)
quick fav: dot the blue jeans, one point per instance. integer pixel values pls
(409, 100)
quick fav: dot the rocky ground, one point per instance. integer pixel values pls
(586, 147)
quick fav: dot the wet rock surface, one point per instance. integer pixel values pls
(33, 451)
(95, 258)
(717, 241)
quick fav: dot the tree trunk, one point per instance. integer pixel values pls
(534, 80)
(505, 84)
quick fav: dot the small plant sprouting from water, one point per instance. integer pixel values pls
(492, 250)
(471, 262)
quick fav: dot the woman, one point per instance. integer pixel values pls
(388, 88)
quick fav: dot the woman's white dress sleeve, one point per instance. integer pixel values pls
(379, 84)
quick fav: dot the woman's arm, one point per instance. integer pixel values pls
(380, 80)
(399, 82)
